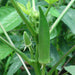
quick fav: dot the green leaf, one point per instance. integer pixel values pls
(51, 1)
(54, 12)
(44, 39)
(18, 51)
(5, 50)
(68, 19)
(42, 3)
(16, 64)
(50, 20)
(24, 2)
(17, 40)
(55, 57)
(23, 8)
(7, 65)
(71, 69)
(9, 18)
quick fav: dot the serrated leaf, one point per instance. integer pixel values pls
(5, 50)
(44, 39)
(9, 18)
(51, 1)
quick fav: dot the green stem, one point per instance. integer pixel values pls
(54, 67)
(6, 34)
(18, 51)
(33, 3)
(37, 68)
(43, 70)
(29, 25)
(47, 10)
(65, 73)
(36, 65)
(56, 72)
(36, 54)
(61, 15)
(31, 52)
(7, 65)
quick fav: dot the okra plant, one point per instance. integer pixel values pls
(40, 31)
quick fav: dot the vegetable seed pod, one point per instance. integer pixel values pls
(44, 40)
(27, 40)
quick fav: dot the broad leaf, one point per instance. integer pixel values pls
(69, 17)
(51, 1)
(5, 50)
(18, 41)
(9, 18)
(57, 30)
(42, 3)
(71, 69)
(16, 64)
(55, 56)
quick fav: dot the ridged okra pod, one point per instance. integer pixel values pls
(44, 40)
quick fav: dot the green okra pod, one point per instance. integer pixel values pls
(44, 39)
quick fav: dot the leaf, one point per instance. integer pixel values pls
(65, 46)
(24, 2)
(71, 69)
(67, 1)
(9, 18)
(5, 50)
(23, 8)
(42, 3)
(68, 19)
(17, 40)
(44, 39)
(55, 56)
(50, 20)
(7, 65)
(16, 64)
(51, 1)
(55, 32)
(54, 12)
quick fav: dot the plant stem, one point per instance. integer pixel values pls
(37, 68)
(43, 69)
(6, 34)
(56, 72)
(30, 61)
(31, 52)
(36, 65)
(36, 54)
(47, 10)
(61, 15)
(54, 67)
(29, 25)
(52, 28)
(67, 62)
(33, 3)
